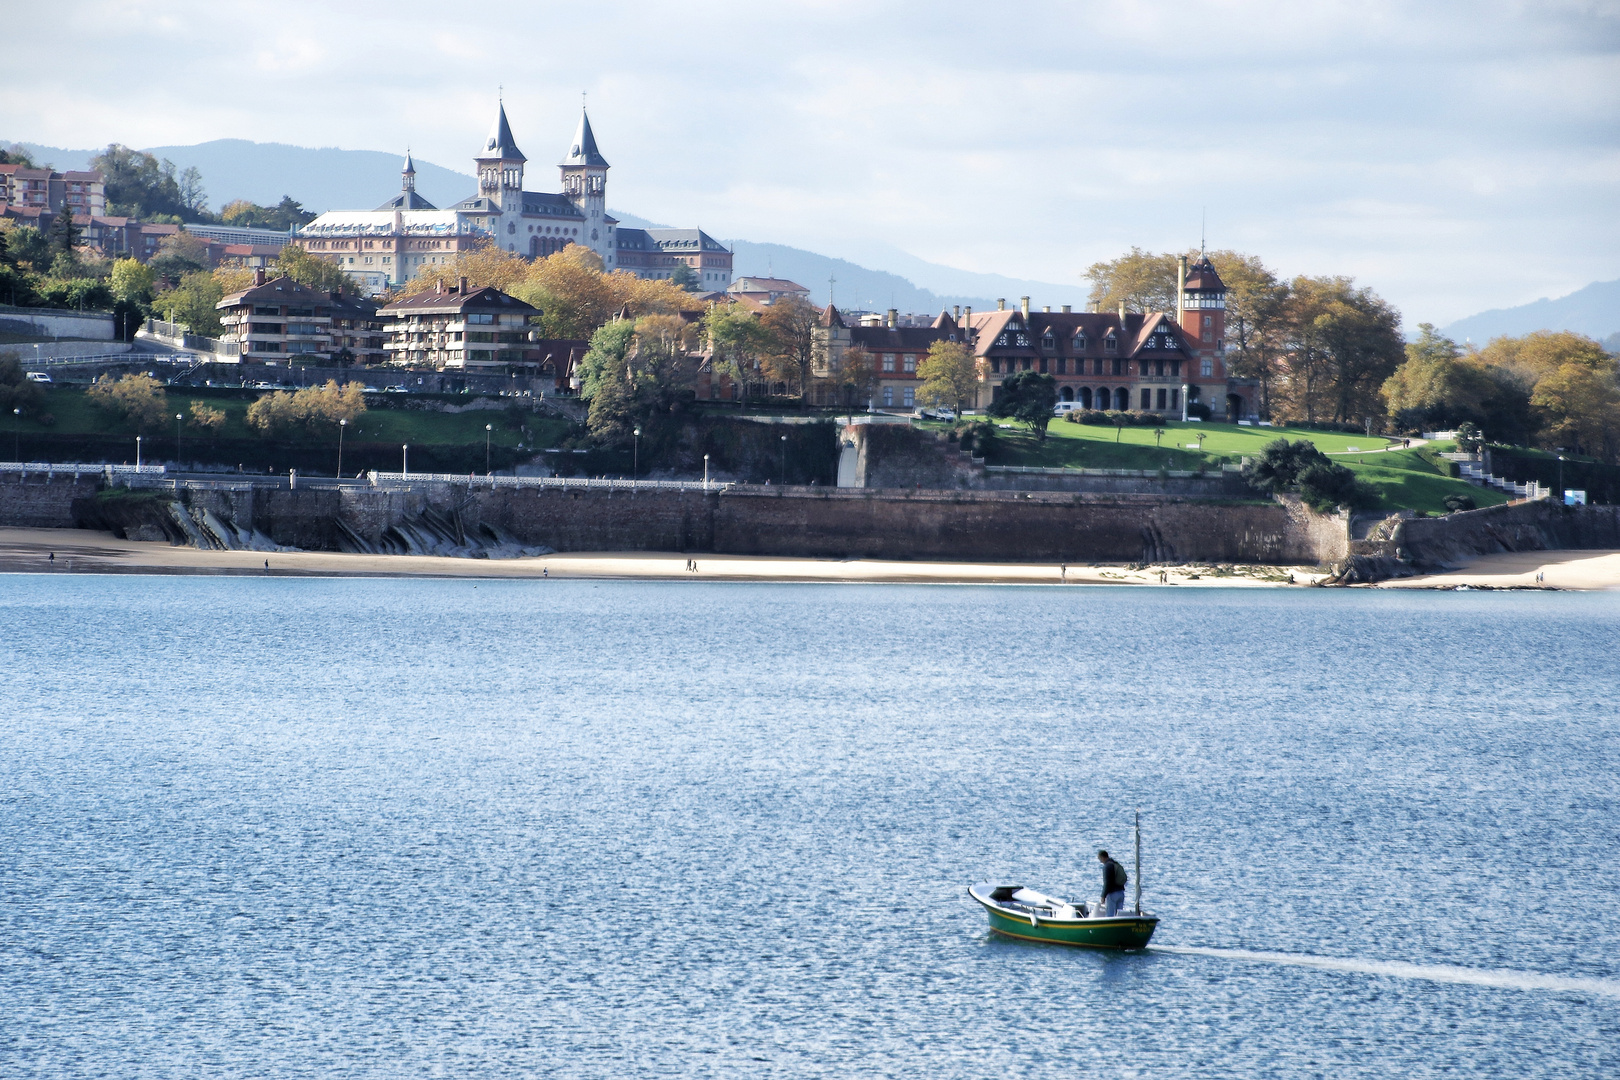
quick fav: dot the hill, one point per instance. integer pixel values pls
(331, 179)
(1593, 311)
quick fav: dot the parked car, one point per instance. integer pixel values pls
(38, 376)
(1065, 407)
(395, 390)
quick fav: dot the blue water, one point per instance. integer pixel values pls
(343, 828)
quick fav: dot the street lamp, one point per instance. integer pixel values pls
(1560, 477)
(177, 418)
(16, 433)
(405, 459)
(488, 429)
(137, 453)
(705, 472)
(635, 458)
(784, 459)
(342, 423)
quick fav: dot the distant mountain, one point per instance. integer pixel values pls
(324, 179)
(1593, 311)
(332, 179)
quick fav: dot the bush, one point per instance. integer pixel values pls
(1197, 410)
(977, 437)
(137, 398)
(281, 412)
(1455, 503)
(206, 418)
(1325, 486)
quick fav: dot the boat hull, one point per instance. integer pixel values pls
(1124, 932)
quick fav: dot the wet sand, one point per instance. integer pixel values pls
(83, 551)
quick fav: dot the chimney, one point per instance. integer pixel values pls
(1047, 308)
(1023, 305)
(258, 276)
(1001, 303)
(956, 312)
(463, 289)
(893, 319)
(438, 286)
(1065, 309)
(1122, 314)
(1181, 289)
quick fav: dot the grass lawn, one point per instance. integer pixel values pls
(74, 414)
(1402, 479)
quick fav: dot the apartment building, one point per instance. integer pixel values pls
(456, 327)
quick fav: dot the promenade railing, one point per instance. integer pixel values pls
(561, 483)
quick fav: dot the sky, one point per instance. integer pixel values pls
(1453, 156)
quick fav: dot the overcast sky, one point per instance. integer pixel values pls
(1453, 156)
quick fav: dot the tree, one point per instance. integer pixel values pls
(138, 185)
(138, 399)
(605, 360)
(1144, 281)
(684, 277)
(16, 392)
(737, 340)
(132, 280)
(1280, 464)
(192, 195)
(857, 374)
(950, 375)
(1256, 305)
(791, 321)
(1325, 486)
(179, 255)
(317, 274)
(192, 303)
(16, 154)
(1341, 344)
(314, 409)
(65, 231)
(205, 418)
(1580, 408)
(1436, 384)
(1028, 397)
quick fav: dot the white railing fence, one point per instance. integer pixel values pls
(562, 483)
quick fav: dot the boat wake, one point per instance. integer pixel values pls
(1446, 973)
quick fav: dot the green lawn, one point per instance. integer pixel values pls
(74, 414)
(1402, 479)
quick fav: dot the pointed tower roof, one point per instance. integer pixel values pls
(500, 143)
(831, 319)
(410, 167)
(583, 150)
(1201, 277)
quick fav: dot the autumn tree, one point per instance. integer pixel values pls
(1256, 319)
(791, 321)
(1143, 280)
(132, 280)
(312, 272)
(1341, 344)
(192, 303)
(205, 418)
(179, 255)
(313, 409)
(950, 376)
(1437, 384)
(636, 371)
(737, 341)
(857, 374)
(139, 399)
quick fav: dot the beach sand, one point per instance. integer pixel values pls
(83, 551)
(1583, 570)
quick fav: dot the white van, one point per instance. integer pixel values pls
(1065, 407)
(38, 376)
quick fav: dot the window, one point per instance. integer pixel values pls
(1206, 368)
(267, 311)
(1119, 365)
(908, 397)
(1048, 342)
(481, 319)
(1147, 398)
(1043, 365)
(1062, 366)
(1096, 366)
(1023, 339)
(1080, 342)
(888, 396)
(1001, 339)
(308, 313)
(1110, 343)
(888, 361)
(908, 362)
(1162, 396)
(1175, 399)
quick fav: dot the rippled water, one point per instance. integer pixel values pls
(441, 828)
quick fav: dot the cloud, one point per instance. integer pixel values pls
(1395, 141)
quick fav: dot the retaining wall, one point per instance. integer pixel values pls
(40, 502)
(56, 322)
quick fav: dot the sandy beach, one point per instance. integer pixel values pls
(83, 551)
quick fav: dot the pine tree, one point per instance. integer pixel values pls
(64, 230)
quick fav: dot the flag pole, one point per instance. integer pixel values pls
(1139, 862)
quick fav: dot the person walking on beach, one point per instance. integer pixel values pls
(1113, 887)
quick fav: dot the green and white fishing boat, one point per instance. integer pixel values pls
(1021, 912)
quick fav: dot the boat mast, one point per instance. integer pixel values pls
(1139, 862)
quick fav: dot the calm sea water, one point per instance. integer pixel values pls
(340, 828)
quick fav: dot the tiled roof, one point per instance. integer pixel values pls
(1202, 276)
(452, 299)
(281, 290)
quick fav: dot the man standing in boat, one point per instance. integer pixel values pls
(1113, 887)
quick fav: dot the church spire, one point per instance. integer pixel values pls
(583, 149)
(500, 143)
(408, 174)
